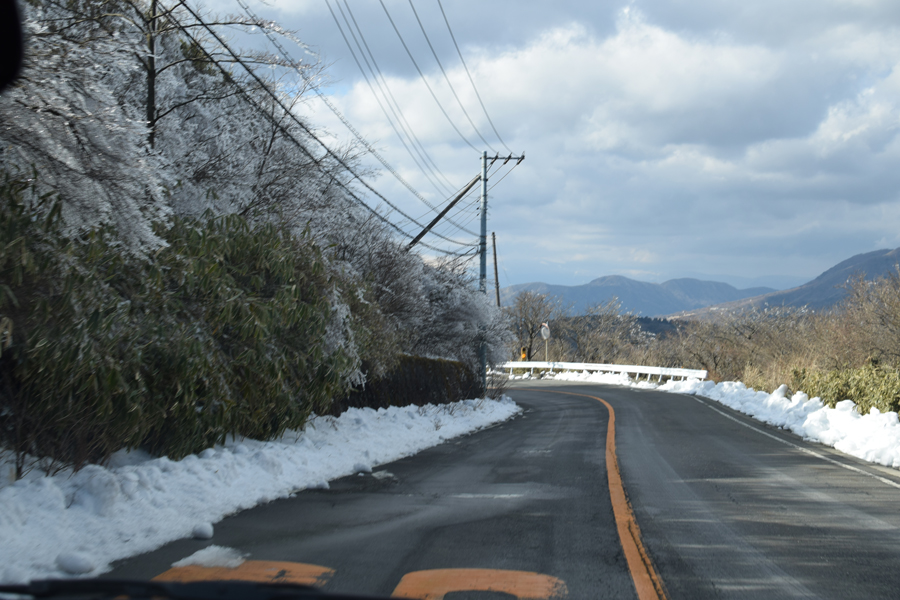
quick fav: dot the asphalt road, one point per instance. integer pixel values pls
(732, 508)
(727, 508)
(528, 495)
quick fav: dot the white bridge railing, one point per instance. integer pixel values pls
(627, 369)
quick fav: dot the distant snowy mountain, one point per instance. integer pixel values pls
(639, 297)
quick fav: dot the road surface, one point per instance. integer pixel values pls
(725, 507)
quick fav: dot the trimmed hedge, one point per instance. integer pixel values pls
(415, 380)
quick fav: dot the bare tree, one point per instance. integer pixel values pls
(604, 334)
(526, 315)
(874, 307)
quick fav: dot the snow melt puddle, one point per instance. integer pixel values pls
(77, 524)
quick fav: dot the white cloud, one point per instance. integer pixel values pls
(718, 139)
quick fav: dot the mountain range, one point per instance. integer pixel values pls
(824, 291)
(694, 297)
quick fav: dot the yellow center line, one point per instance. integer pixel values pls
(647, 583)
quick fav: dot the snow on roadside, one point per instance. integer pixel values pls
(607, 378)
(77, 524)
(874, 437)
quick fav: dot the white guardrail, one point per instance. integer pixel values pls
(627, 369)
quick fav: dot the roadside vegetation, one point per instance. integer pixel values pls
(180, 261)
(850, 352)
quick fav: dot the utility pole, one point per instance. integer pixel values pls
(482, 242)
(482, 280)
(496, 276)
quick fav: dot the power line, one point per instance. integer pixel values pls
(470, 193)
(463, 61)
(447, 79)
(331, 106)
(473, 214)
(389, 95)
(422, 76)
(377, 98)
(302, 125)
(467, 210)
(379, 73)
(290, 136)
(475, 200)
(505, 175)
(496, 163)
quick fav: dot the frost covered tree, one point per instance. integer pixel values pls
(64, 126)
(458, 317)
(425, 308)
(136, 115)
(232, 136)
(127, 110)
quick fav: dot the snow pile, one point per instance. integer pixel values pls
(586, 377)
(213, 556)
(77, 524)
(601, 377)
(874, 437)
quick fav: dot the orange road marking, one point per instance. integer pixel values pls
(647, 582)
(435, 584)
(260, 571)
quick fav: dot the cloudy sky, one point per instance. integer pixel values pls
(747, 142)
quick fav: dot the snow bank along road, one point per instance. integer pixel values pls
(76, 524)
(727, 508)
(522, 507)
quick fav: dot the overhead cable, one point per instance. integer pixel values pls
(474, 203)
(463, 61)
(472, 191)
(447, 79)
(331, 106)
(296, 142)
(385, 86)
(391, 102)
(377, 98)
(505, 174)
(424, 80)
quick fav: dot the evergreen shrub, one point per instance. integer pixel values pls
(870, 386)
(222, 332)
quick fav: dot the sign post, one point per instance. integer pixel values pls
(545, 333)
